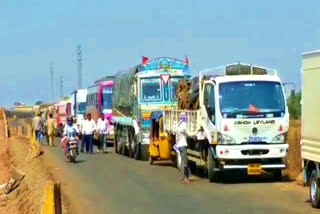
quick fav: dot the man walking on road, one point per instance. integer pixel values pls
(89, 126)
(51, 129)
(102, 129)
(181, 141)
(37, 125)
(82, 133)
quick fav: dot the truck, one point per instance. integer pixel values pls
(139, 91)
(310, 126)
(78, 104)
(240, 122)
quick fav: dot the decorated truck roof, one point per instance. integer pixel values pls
(148, 71)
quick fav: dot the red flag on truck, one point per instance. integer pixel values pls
(144, 60)
(187, 61)
(253, 109)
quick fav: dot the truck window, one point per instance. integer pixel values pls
(174, 86)
(209, 101)
(265, 97)
(151, 90)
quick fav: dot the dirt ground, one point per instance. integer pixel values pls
(27, 197)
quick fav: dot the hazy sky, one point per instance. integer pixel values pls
(115, 34)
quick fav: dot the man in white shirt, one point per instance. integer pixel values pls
(181, 143)
(102, 129)
(89, 126)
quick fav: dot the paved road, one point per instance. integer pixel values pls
(109, 183)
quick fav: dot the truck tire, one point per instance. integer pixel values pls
(277, 175)
(150, 160)
(131, 144)
(213, 175)
(116, 142)
(314, 190)
(144, 152)
(137, 151)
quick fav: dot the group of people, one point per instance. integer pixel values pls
(88, 129)
(44, 125)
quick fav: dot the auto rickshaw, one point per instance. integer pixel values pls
(161, 144)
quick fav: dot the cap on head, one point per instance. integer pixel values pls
(183, 116)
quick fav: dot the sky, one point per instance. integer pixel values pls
(114, 35)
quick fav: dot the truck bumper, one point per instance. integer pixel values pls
(263, 166)
(245, 152)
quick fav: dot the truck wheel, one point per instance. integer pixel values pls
(120, 147)
(314, 190)
(277, 175)
(150, 160)
(137, 149)
(144, 152)
(116, 143)
(212, 174)
(131, 145)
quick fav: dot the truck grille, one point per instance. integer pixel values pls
(255, 152)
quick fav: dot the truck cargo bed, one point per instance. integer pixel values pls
(310, 136)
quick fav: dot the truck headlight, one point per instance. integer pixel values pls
(225, 139)
(280, 138)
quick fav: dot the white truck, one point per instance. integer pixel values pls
(241, 123)
(78, 104)
(310, 126)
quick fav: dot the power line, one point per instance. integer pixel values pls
(61, 86)
(79, 67)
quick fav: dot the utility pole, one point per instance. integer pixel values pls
(61, 87)
(79, 67)
(51, 83)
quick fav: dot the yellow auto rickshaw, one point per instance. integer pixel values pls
(161, 144)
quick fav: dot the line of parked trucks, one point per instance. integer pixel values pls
(237, 116)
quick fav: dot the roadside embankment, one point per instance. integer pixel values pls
(28, 196)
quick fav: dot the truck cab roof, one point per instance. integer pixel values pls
(235, 78)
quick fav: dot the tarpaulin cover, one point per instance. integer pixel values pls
(123, 98)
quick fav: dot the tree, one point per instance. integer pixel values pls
(38, 103)
(294, 106)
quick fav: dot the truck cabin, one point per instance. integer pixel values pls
(157, 80)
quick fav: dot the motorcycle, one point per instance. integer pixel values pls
(71, 153)
(70, 146)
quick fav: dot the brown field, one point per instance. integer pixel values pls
(294, 161)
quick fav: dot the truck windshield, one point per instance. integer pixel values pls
(174, 86)
(82, 108)
(106, 99)
(151, 90)
(251, 99)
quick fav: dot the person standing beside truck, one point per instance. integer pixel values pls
(102, 129)
(89, 127)
(181, 143)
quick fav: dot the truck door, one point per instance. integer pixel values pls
(208, 112)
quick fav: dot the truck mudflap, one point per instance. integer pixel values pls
(260, 151)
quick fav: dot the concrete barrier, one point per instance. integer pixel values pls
(52, 199)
